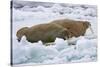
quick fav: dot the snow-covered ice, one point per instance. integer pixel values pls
(36, 53)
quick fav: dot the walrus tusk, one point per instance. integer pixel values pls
(91, 30)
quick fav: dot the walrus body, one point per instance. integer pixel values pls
(76, 28)
(64, 28)
(44, 32)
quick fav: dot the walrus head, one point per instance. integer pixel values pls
(21, 33)
(86, 24)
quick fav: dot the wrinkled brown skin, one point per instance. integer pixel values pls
(44, 32)
(76, 28)
(64, 28)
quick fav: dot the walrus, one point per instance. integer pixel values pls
(76, 28)
(63, 28)
(45, 32)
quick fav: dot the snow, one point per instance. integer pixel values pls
(84, 50)
(60, 44)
